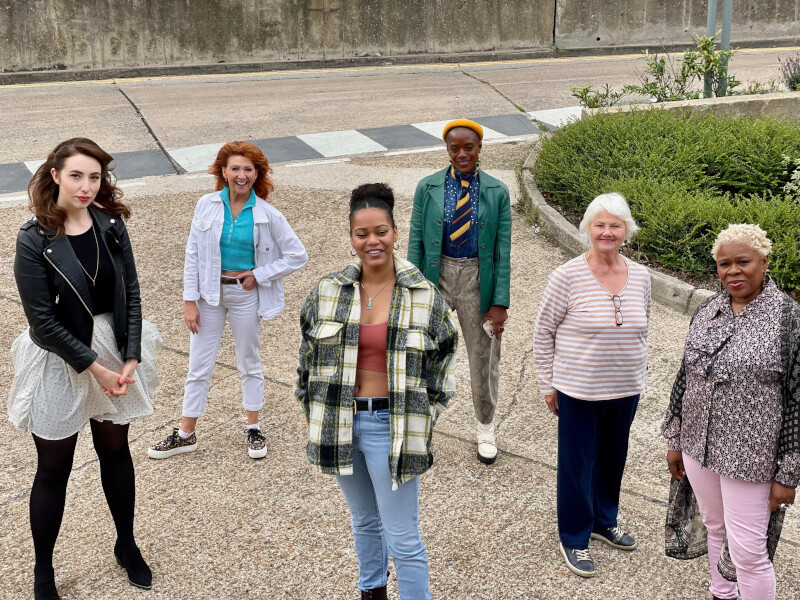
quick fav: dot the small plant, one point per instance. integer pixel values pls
(665, 80)
(755, 87)
(712, 64)
(791, 167)
(591, 98)
(790, 71)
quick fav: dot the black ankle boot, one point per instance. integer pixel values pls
(139, 573)
(376, 594)
(45, 590)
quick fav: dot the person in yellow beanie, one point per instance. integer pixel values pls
(460, 238)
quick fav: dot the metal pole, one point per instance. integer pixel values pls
(711, 31)
(727, 17)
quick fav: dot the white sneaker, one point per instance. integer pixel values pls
(487, 447)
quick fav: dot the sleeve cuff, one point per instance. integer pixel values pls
(190, 296)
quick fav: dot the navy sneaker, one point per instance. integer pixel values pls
(578, 561)
(616, 538)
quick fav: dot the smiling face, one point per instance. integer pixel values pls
(78, 182)
(241, 173)
(372, 237)
(607, 232)
(741, 270)
(463, 146)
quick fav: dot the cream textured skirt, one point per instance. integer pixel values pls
(51, 400)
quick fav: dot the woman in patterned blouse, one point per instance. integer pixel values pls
(732, 423)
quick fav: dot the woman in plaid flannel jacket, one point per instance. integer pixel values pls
(372, 428)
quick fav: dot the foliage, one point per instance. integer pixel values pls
(790, 72)
(591, 98)
(686, 177)
(665, 79)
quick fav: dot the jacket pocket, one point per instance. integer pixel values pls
(204, 230)
(327, 336)
(418, 343)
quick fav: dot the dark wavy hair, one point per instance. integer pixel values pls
(372, 195)
(263, 184)
(43, 190)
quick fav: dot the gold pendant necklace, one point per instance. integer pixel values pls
(97, 261)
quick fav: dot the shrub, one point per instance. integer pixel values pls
(790, 71)
(686, 177)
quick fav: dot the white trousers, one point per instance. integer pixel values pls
(241, 308)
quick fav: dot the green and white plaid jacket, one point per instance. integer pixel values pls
(421, 345)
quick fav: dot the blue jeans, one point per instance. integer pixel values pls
(592, 450)
(384, 521)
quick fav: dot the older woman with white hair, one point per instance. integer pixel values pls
(590, 349)
(732, 422)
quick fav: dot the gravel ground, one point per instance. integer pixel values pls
(215, 524)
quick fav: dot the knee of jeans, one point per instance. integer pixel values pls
(406, 547)
(366, 523)
(749, 555)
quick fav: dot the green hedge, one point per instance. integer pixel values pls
(686, 177)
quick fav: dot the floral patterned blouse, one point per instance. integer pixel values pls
(735, 405)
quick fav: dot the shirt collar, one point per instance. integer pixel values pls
(723, 300)
(225, 195)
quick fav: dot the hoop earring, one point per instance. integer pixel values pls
(353, 251)
(396, 245)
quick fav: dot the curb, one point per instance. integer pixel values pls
(665, 289)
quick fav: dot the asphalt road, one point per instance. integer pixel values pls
(138, 114)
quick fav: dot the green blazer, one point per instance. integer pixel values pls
(494, 234)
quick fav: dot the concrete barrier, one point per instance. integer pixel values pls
(102, 34)
(603, 23)
(151, 35)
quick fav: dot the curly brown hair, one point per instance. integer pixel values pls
(43, 190)
(263, 184)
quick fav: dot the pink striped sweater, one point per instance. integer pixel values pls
(578, 348)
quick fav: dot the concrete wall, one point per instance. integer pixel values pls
(108, 34)
(602, 23)
(93, 34)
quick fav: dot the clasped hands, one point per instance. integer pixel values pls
(114, 384)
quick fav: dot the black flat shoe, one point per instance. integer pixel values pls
(139, 573)
(45, 590)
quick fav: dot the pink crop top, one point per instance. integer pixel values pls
(372, 347)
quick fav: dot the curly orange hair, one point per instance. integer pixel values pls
(263, 185)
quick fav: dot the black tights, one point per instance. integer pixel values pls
(49, 490)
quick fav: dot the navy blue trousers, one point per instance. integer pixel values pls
(592, 449)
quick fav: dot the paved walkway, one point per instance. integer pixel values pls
(217, 525)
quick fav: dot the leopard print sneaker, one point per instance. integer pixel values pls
(174, 444)
(256, 443)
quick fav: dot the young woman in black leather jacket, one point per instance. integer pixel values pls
(87, 356)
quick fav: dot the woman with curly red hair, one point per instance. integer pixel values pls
(239, 250)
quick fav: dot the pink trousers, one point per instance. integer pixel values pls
(738, 508)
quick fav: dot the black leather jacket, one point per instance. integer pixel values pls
(55, 293)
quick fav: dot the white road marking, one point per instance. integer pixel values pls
(195, 158)
(340, 143)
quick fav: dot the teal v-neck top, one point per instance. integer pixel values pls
(236, 244)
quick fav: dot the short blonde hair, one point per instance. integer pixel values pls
(614, 204)
(745, 233)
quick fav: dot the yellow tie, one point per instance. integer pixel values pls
(463, 210)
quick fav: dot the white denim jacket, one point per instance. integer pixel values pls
(278, 252)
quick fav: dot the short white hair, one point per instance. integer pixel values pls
(743, 233)
(614, 204)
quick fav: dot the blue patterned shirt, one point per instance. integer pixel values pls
(452, 194)
(236, 244)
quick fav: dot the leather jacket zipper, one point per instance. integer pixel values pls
(60, 272)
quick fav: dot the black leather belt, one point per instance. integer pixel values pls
(371, 404)
(225, 280)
